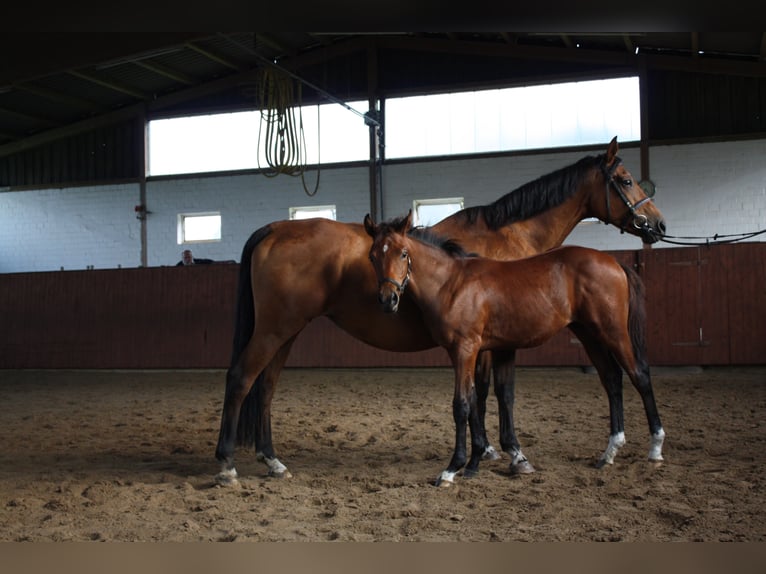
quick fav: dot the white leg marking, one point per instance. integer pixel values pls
(227, 477)
(517, 456)
(490, 453)
(655, 447)
(276, 468)
(446, 478)
(519, 463)
(615, 442)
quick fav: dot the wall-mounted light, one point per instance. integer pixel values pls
(141, 212)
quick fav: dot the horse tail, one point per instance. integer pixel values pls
(244, 326)
(637, 317)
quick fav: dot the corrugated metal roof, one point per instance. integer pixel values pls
(88, 76)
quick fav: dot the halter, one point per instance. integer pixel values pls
(399, 286)
(640, 220)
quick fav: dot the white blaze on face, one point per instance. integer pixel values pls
(385, 247)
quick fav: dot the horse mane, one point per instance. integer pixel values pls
(425, 235)
(449, 246)
(533, 197)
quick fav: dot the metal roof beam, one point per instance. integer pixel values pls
(28, 118)
(166, 72)
(215, 57)
(59, 97)
(127, 113)
(110, 85)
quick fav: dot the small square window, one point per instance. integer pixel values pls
(199, 227)
(431, 211)
(326, 211)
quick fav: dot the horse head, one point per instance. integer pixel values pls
(627, 205)
(390, 259)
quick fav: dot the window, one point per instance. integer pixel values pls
(326, 211)
(430, 211)
(554, 115)
(199, 227)
(221, 142)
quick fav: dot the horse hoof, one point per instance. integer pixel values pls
(226, 479)
(280, 474)
(445, 479)
(470, 473)
(490, 454)
(602, 462)
(522, 467)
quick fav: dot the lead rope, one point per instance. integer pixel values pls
(713, 240)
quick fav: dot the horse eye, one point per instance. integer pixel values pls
(404, 254)
(627, 182)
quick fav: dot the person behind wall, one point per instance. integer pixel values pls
(188, 259)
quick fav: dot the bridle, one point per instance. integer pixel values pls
(640, 221)
(399, 286)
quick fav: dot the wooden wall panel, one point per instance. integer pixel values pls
(119, 318)
(705, 306)
(747, 303)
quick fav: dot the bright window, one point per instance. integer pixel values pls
(430, 211)
(326, 211)
(553, 115)
(223, 142)
(199, 227)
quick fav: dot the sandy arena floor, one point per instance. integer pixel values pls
(128, 456)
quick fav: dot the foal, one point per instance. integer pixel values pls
(474, 304)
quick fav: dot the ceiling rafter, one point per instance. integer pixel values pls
(59, 97)
(166, 72)
(214, 56)
(29, 118)
(109, 84)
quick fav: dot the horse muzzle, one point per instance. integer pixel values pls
(649, 232)
(389, 300)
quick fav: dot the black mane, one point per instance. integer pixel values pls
(450, 246)
(533, 197)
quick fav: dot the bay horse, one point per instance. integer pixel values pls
(294, 271)
(473, 304)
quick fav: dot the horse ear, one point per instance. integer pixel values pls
(369, 226)
(611, 152)
(408, 224)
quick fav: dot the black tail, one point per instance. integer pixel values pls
(637, 317)
(244, 325)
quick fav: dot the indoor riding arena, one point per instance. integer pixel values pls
(254, 389)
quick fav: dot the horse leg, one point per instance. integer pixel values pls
(482, 378)
(264, 389)
(240, 378)
(503, 364)
(610, 373)
(463, 410)
(642, 381)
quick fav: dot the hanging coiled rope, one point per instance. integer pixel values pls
(280, 132)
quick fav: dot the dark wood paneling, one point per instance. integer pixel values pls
(121, 318)
(705, 306)
(747, 303)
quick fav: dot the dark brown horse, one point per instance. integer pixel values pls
(294, 271)
(473, 304)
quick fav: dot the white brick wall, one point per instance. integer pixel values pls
(702, 189)
(70, 228)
